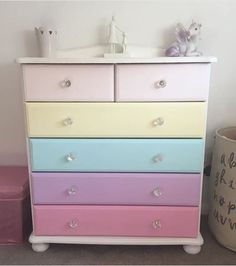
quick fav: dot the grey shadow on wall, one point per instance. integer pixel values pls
(31, 43)
(101, 34)
(168, 35)
(11, 115)
(102, 31)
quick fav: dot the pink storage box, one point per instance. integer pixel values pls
(15, 216)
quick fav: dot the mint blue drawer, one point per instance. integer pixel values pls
(117, 155)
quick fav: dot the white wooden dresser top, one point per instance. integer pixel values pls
(101, 60)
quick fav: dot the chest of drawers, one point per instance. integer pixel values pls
(116, 149)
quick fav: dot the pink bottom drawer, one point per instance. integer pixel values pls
(115, 221)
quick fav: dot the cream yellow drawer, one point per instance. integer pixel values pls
(116, 119)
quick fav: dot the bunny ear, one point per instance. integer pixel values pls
(200, 25)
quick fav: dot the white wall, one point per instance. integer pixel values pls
(83, 23)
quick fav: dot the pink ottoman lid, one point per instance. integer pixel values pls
(14, 182)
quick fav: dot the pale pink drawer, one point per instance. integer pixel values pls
(115, 220)
(162, 82)
(68, 82)
(116, 188)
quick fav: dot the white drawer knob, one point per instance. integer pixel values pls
(156, 224)
(160, 84)
(158, 122)
(158, 158)
(72, 191)
(157, 192)
(66, 83)
(68, 121)
(73, 223)
(70, 157)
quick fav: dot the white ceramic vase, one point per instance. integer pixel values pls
(47, 39)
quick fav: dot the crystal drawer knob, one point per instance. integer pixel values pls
(158, 122)
(68, 121)
(160, 84)
(72, 191)
(158, 158)
(156, 224)
(66, 83)
(73, 223)
(157, 192)
(70, 157)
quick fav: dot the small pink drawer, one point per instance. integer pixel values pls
(116, 188)
(68, 82)
(103, 220)
(162, 82)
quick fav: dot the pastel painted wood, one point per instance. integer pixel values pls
(122, 60)
(68, 83)
(115, 149)
(117, 155)
(115, 220)
(116, 119)
(162, 82)
(116, 188)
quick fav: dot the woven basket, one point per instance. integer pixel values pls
(222, 215)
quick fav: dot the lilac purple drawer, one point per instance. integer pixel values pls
(116, 188)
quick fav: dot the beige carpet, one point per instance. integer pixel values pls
(211, 253)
